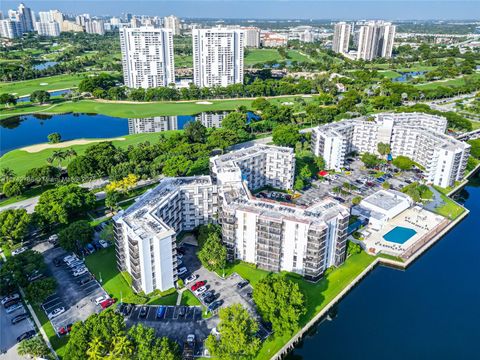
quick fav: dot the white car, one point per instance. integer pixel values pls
(191, 339)
(179, 256)
(182, 271)
(191, 278)
(56, 312)
(13, 308)
(179, 262)
(10, 297)
(103, 243)
(200, 290)
(101, 299)
(75, 264)
(19, 251)
(80, 272)
(69, 258)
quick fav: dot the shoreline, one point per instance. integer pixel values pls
(379, 261)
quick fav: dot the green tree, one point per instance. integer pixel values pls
(40, 96)
(356, 200)
(148, 346)
(6, 174)
(14, 225)
(260, 104)
(299, 184)
(370, 160)
(177, 166)
(54, 138)
(8, 99)
(237, 335)
(280, 302)
(81, 166)
(285, 135)
(383, 149)
(403, 162)
(196, 132)
(107, 233)
(353, 248)
(75, 236)
(213, 254)
(39, 290)
(34, 347)
(320, 162)
(59, 205)
(221, 138)
(237, 122)
(111, 199)
(13, 187)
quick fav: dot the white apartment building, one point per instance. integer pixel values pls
(145, 233)
(252, 37)
(26, 17)
(95, 27)
(217, 56)
(10, 29)
(418, 136)
(152, 124)
(275, 236)
(147, 57)
(50, 28)
(341, 37)
(376, 40)
(173, 23)
(211, 119)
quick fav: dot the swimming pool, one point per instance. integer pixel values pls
(399, 234)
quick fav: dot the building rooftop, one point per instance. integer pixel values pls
(386, 199)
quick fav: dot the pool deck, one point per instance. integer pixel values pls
(424, 222)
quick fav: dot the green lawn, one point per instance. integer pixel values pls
(318, 294)
(295, 55)
(448, 82)
(450, 209)
(257, 56)
(189, 299)
(183, 61)
(26, 87)
(389, 74)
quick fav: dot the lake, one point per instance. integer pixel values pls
(45, 65)
(429, 311)
(405, 76)
(20, 131)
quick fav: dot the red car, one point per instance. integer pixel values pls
(197, 285)
(64, 330)
(106, 303)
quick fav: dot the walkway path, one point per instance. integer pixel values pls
(436, 202)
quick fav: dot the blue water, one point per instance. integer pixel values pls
(45, 65)
(429, 311)
(52, 93)
(399, 234)
(405, 76)
(20, 131)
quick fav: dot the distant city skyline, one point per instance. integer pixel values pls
(273, 9)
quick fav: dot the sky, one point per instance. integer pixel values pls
(269, 9)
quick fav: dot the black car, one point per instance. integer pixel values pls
(143, 312)
(10, 303)
(207, 294)
(209, 299)
(181, 250)
(84, 280)
(19, 318)
(128, 309)
(120, 308)
(215, 305)
(242, 284)
(250, 295)
(26, 335)
(182, 311)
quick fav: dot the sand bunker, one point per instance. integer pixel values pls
(43, 84)
(40, 147)
(203, 103)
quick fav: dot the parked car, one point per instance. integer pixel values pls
(14, 307)
(182, 271)
(197, 285)
(26, 335)
(191, 278)
(107, 303)
(11, 302)
(84, 280)
(80, 272)
(181, 250)
(200, 290)
(182, 311)
(53, 239)
(191, 339)
(209, 299)
(249, 294)
(56, 312)
(143, 312)
(10, 297)
(215, 305)
(57, 262)
(128, 309)
(179, 256)
(207, 293)
(75, 263)
(242, 284)
(19, 251)
(179, 262)
(64, 330)
(70, 258)
(103, 244)
(161, 312)
(100, 299)
(19, 318)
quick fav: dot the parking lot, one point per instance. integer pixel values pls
(9, 332)
(77, 299)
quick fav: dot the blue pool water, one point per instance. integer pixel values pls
(399, 234)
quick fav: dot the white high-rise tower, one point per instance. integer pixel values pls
(217, 56)
(341, 37)
(147, 57)
(376, 40)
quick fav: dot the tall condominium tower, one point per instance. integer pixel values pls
(341, 37)
(217, 56)
(26, 17)
(147, 57)
(376, 40)
(173, 23)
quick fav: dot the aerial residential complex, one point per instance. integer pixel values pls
(275, 236)
(376, 40)
(418, 136)
(147, 57)
(217, 56)
(341, 37)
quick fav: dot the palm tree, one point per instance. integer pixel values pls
(95, 349)
(7, 174)
(122, 348)
(59, 155)
(70, 153)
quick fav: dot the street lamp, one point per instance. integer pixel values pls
(100, 276)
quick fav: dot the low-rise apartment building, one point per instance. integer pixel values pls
(418, 136)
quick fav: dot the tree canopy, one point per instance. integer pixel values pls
(14, 225)
(75, 236)
(285, 135)
(403, 162)
(213, 254)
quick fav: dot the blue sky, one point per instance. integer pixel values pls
(273, 9)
